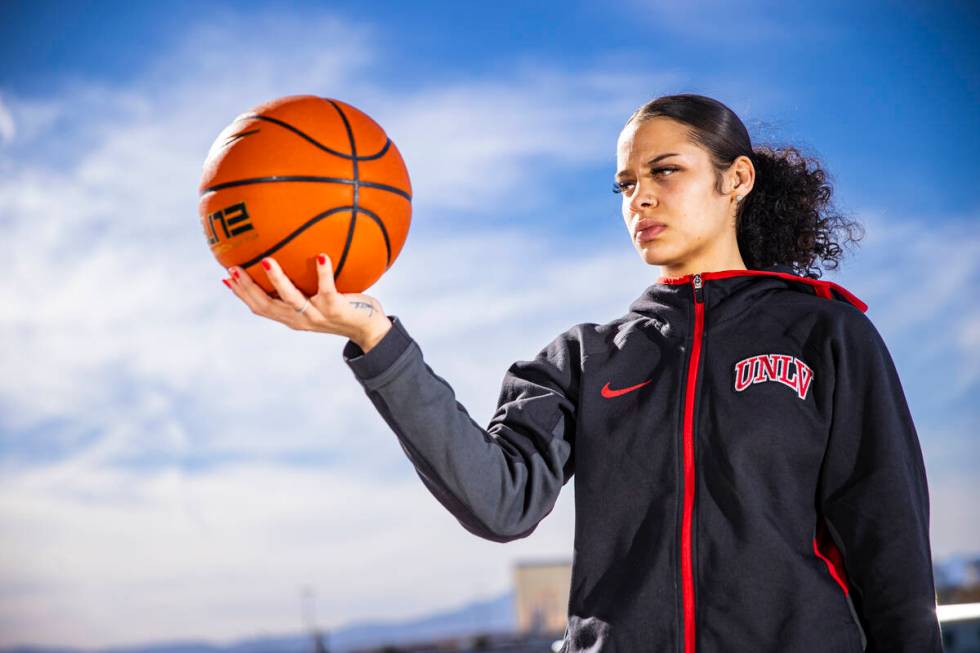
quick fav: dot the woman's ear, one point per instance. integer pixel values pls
(743, 175)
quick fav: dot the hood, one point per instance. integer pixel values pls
(826, 289)
(727, 292)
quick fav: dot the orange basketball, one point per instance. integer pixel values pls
(301, 175)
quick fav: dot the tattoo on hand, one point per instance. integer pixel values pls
(363, 305)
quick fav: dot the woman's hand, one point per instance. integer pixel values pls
(356, 316)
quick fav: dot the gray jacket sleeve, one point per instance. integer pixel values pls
(498, 482)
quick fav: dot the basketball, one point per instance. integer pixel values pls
(301, 175)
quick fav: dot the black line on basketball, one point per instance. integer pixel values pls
(306, 178)
(380, 153)
(347, 242)
(377, 155)
(303, 227)
(282, 123)
(353, 150)
(240, 135)
(299, 133)
(386, 187)
(357, 182)
(384, 232)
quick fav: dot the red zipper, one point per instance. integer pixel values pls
(825, 289)
(687, 567)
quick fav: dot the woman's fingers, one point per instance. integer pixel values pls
(324, 272)
(329, 301)
(250, 292)
(287, 291)
(328, 310)
(293, 300)
(261, 303)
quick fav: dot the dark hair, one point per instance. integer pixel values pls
(787, 218)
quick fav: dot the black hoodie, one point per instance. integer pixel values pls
(748, 475)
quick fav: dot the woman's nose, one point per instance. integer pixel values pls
(642, 199)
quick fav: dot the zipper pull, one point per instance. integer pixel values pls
(698, 293)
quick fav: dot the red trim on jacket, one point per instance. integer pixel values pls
(820, 288)
(687, 564)
(831, 555)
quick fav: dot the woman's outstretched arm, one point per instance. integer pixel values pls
(498, 482)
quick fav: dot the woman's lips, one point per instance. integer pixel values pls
(649, 232)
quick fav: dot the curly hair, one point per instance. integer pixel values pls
(787, 218)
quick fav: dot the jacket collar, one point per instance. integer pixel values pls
(726, 292)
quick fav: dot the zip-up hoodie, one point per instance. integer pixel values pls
(748, 474)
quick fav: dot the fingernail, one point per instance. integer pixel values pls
(322, 259)
(225, 281)
(266, 265)
(235, 274)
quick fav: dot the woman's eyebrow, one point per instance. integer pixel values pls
(661, 156)
(623, 173)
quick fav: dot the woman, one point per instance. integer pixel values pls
(749, 477)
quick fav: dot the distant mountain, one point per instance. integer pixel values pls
(493, 615)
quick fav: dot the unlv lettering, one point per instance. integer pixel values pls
(788, 370)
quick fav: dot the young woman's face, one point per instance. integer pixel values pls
(665, 178)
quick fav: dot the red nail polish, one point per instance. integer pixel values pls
(225, 281)
(266, 265)
(322, 259)
(235, 274)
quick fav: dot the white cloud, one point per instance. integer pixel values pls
(951, 457)
(125, 557)
(917, 275)
(120, 345)
(968, 339)
(105, 259)
(474, 143)
(951, 498)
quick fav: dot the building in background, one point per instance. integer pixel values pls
(541, 591)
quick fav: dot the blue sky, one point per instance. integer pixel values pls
(198, 493)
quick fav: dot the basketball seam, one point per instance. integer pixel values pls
(312, 221)
(305, 178)
(384, 232)
(357, 188)
(282, 123)
(284, 241)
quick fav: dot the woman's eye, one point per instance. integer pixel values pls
(624, 186)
